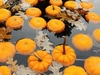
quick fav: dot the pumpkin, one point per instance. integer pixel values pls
(64, 54)
(33, 12)
(37, 23)
(15, 22)
(82, 42)
(39, 61)
(4, 14)
(92, 17)
(56, 2)
(86, 5)
(71, 5)
(25, 46)
(74, 70)
(96, 34)
(55, 25)
(7, 49)
(92, 65)
(52, 10)
(4, 70)
(32, 2)
(1, 2)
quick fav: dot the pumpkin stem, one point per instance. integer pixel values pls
(39, 59)
(64, 43)
(53, 8)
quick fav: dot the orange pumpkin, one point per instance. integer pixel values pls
(92, 65)
(25, 46)
(86, 5)
(15, 22)
(39, 61)
(56, 2)
(37, 23)
(52, 10)
(71, 5)
(55, 25)
(74, 70)
(64, 54)
(33, 12)
(7, 49)
(96, 34)
(82, 42)
(32, 2)
(4, 70)
(4, 14)
(1, 2)
(92, 17)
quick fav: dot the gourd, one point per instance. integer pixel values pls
(7, 50)
(52, 10)
(33, 12)
(25, 46)
(74, 70)
(15, 22)
(82, 42)
(64, 54)
(37, 23)
(4, 70)
(56, 2)
(92, 65)
(39, 61)
(55, 25)
(4, 14)
(71, 5)
(96, 35)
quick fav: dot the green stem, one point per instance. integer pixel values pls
(64, 44)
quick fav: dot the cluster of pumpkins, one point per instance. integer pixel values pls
(40, 60)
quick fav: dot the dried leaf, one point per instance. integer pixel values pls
(4, 33)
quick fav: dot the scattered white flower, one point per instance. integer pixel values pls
(25, 5)
(85, 0)
(5, 1)
(22, 14)
(63, 9)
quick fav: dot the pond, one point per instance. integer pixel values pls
(28, 32)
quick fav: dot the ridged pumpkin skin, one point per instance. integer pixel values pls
(74, 70)
(40, 66)
(66, 59)
(56, 2)
(92, 65)
(25, 46)
(7, 49)
(4, 70)
(4, 14)
(82, 42)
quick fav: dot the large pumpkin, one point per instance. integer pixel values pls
(4, 70)
(92, 65)
(82, 42)
(39, 61)
(25, 46)
(74, 70)
(64, 54)
(7, 49)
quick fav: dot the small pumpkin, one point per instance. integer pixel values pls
(7, 49)
(15, 22)
(1, 2)
(64, 54)
(56, 2)
(4, 14)
(71, 5)
(96, 34)
(4, 70)
(39, 61)
(32, 2)
(55, 25)
(74, 70)
(25, 46)
(37, 23)
(82, 42)
(92, 17)
(92, 65)
(86, 5)
(52, 10)
(33, 12)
